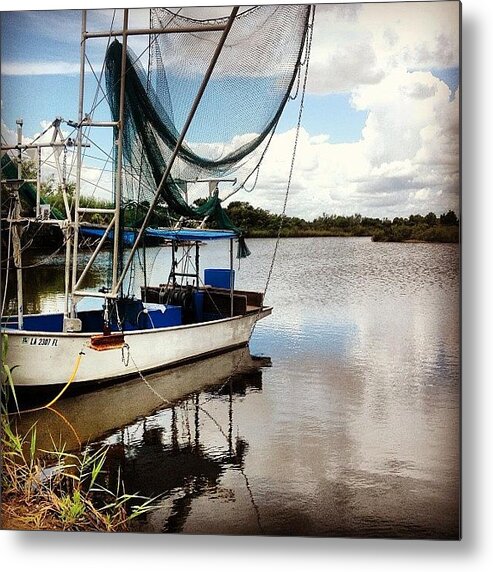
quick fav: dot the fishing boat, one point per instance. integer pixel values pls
(254, 54)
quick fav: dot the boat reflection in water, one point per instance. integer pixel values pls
(154, 433)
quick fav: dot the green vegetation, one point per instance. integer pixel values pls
(417, 228)
(133, 214)
(257, 222)
(260, 223)
(53, 195)
(59, 490)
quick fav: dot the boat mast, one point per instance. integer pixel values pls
(76, 222)
(119, 163)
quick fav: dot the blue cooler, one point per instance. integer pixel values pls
(163, 316)
(219, 277)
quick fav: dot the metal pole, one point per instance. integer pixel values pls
(119, 159)
(79, 160)
(16, 234)
(179, 142)
(67, 234)
(197, 263)
(16, 245)
(154, 31)
(96, 210)
(90, 123)
(37, 146)
(173, 262)
(97, 250)
(231, 281)
(38, 184)
(20, 123)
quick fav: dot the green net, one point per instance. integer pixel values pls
(240, 107)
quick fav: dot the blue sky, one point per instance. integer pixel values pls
(27, 38)
(358, 144)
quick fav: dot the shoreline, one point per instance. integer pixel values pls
(249, 236)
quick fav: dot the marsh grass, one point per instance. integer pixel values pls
(59, 490)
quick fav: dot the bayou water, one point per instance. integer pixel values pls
(342, 419)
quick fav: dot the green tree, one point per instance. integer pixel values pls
(449, 219)
(431, 219)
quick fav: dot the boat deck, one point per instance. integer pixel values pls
(163, 307)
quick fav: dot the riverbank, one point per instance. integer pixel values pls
(58, 490)
(255, 222)
(450, 235)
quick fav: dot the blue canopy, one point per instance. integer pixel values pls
(190, 233)
(184, 234)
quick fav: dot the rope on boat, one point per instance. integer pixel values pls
(141, 375)
(63, 390)
(70, 380)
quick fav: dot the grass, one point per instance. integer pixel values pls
(58, 490)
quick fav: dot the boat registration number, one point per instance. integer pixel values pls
(31, 341)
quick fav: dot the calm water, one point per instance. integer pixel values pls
(346, 423)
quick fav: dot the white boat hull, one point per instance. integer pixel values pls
(47, 359)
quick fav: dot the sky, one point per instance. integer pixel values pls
(380, 129)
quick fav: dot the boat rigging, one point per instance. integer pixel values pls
(249, 75)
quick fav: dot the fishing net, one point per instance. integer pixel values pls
(241, 105)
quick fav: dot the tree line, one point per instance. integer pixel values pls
(257, 222)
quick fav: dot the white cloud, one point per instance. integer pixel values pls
(40, 68)
(9, 136)
(406, 160)
(359, 44)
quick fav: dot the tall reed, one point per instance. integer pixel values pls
(59, 490)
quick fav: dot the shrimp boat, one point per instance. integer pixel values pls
(158, 150)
